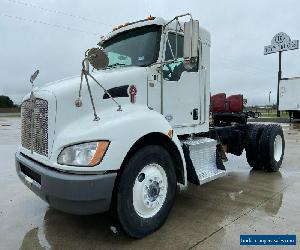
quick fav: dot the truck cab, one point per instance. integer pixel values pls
(147, 44)
(133, 127)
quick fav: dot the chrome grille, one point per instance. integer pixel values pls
(34, 126)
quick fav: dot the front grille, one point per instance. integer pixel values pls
(34, 126)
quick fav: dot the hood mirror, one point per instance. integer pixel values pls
(97, 58)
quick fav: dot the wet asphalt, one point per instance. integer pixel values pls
(211, 216)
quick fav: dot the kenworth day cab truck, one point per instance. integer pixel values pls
(127, 133)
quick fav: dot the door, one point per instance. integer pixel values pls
(181, 87)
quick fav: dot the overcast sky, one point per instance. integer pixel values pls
(52, 36)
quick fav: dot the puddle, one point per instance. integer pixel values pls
(233, 195)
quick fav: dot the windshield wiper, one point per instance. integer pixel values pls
(115, 65)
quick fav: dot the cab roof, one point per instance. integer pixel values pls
(152, 21)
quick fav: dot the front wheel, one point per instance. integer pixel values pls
(146, 191)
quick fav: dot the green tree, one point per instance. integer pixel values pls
(6, 102)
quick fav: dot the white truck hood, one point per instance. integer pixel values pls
(108, 78)
(61, 96)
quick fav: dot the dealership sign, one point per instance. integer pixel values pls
(281, 42)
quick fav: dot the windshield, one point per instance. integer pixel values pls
(137, 47)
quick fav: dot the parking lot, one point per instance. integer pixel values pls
(211, 216)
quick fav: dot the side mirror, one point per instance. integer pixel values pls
(190, 43)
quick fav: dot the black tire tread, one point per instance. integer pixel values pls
(266, 147)
(252, 146)
(132, 224)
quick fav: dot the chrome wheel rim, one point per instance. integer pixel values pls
(277, 148)
(150, 190)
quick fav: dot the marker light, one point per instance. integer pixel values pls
(170, 133)
(150, 17)
(84, 154)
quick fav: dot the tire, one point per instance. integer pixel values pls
(271, 146)
(252, 146)
(141, 211)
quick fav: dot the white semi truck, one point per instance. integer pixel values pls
(131, 130)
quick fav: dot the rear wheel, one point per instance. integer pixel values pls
(146, 191)
(252, 146)
(271, 146)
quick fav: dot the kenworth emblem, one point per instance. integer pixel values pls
(132, 90)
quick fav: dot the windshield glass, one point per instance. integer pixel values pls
(137, 47)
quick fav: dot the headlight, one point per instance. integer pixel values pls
(84, 154)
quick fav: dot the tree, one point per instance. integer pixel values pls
(6, 102)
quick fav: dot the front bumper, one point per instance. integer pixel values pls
(71, 193)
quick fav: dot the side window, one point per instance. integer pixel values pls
(172, 71)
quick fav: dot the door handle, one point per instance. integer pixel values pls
(195, 114)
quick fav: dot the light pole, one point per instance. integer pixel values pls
(270, 97)
(279, 78)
